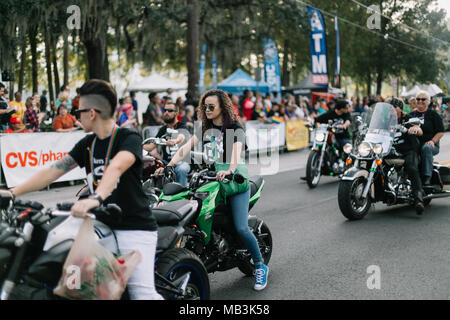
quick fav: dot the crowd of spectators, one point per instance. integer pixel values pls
(36, 114)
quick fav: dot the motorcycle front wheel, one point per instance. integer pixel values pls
(175, 264)
(313, 171)
(351, 203)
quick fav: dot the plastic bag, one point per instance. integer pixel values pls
(91, 272)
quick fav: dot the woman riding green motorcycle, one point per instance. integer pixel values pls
(223, 139)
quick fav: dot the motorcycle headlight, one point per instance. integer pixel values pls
(377, 149)
(348, 148)
(364, 149)
(320, 137)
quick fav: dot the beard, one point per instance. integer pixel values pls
(170, 120)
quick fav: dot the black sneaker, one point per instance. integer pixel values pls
(420, 207)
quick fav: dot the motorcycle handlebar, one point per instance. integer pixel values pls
(236, 177)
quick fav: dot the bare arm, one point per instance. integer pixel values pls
(149, 147)
(183, 151)
(46, 176)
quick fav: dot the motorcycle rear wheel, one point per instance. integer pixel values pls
(264, 238)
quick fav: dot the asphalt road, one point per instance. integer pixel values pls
(318, 254)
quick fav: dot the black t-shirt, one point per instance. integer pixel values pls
(169, 152)
(222, 140)
(432, 124)
(4, 118)
(128, 194)
(332, 115)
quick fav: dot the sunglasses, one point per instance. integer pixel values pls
(421, 99)
(79, 111)
(210, 107)
(170, 110)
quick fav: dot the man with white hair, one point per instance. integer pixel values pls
(429, 133)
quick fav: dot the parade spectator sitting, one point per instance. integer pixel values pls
(127, 118)
(64, 121)
(31, 116)
(64, 97)
(19, 106)
(16, 126)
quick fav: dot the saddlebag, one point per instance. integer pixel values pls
(444, 172)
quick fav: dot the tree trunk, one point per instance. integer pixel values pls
(66, 59)
(379, 82)
(285, 72)
(22, 64)
(34, 64)
(192, 51)
(369, 85)
(53, 42)
(93, 36)
(49, 67)
(95, 51)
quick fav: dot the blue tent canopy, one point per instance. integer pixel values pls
(240, 81)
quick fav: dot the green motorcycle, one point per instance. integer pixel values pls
(210, 233)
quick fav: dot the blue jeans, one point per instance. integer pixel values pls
(427, 153)
(182, 169)
(341, 142)
(239, 207)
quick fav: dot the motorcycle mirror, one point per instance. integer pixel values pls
(171, 131)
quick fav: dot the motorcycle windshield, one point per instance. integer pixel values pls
(383, 120)
(382, 126)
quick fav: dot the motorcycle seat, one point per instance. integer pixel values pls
(171, 213)
(255, 183)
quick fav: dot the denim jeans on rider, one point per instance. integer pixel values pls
(239, 207)
(141, 285)
(182, 169)
(427, 153)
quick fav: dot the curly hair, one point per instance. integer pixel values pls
(228, 114)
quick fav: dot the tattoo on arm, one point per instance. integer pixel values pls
(65, 164)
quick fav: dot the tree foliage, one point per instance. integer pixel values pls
(155, 34)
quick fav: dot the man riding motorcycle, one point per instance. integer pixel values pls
(408, 146)
(170, 119)
(112, 158)
(340, 112)
(432, 131)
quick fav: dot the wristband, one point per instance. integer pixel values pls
(97, 197)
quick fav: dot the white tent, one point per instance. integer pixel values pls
(432, 90)
(157, 83)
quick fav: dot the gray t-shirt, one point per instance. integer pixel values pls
(150, 119)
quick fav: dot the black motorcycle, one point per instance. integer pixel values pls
(378, 172)
(34, 244)
(325, 157)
